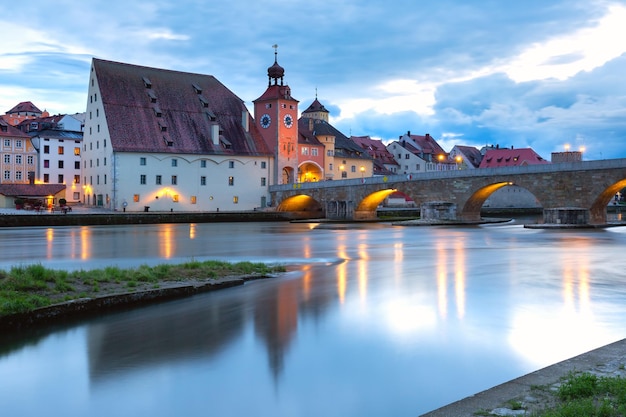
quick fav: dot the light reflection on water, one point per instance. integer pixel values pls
(372, 320)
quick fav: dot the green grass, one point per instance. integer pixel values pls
(585, 394)
(25, 288)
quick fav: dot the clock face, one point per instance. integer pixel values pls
(266, 120)
(288, 120)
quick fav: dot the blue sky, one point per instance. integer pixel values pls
(540, 74)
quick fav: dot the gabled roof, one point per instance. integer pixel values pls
(31, 190)
(344, 147)
(24, 106)
(375, 148)
(427, 144)
(40, 123)
(8, 131)
(472, 154)
(504, 157)
(157, 110)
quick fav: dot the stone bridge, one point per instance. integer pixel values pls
(586, 186)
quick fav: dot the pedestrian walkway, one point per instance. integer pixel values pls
(79, 208)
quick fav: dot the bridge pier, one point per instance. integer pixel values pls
(566, 216)
(340, 210)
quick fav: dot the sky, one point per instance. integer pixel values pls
(549, 75)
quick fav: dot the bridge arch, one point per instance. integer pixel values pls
(474, 204)
(597, 212)
(301, 203)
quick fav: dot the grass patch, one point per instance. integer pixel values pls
(585, 394)
(25, 288)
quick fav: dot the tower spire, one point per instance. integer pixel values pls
(275, 71)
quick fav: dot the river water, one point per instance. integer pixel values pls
(370, 320)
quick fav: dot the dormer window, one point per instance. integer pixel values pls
(204, 101)
(152, 95)
(157, 111)
(146, 82)
(168, 142)
(162, 126)
(197, 89)
(211, 116)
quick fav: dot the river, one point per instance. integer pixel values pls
(370, 319)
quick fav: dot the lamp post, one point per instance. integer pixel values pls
(362, 171)
(458, 160)
(342, 170)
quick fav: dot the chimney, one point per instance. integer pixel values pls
(408, 133)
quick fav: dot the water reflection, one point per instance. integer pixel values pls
(374, 320)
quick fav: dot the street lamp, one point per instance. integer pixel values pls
(458, 160)
(362, 171)
(343, 172)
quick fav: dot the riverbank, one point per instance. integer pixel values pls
(534, 392)
(82, 308)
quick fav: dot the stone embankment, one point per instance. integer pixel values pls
(535, 391)
(88, 307)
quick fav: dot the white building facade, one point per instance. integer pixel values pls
(162, 140)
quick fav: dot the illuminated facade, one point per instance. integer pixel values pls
(162, 140)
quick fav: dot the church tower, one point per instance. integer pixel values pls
(276, 115)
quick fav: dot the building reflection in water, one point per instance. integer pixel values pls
(167, 241)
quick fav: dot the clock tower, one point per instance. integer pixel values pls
(276, 114)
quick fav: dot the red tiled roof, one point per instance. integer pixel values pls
(24, 106)
(427, 144)
(375, 148)
(186, 102)
(511, 157)
(30, 190)
(8, 131)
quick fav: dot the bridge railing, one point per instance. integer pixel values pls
(465, 173)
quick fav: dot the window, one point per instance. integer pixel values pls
(18, 159)
(61, 151)
(142, 179)
(7, 158)
(175, 198)
(330, 167)
(263, 164)
(263, 181)
(136, 198)
(235, 199)
(174, 162)
(76, 179)
(193, 199)
(406, 156)
(46, 148)
(203, 180)
(105, 178)
(77, 150)
(30, 160)
(76, 196)
(174, 180)
(18, 143)
(46, 178)
(305, 150)
(142, 161)
(203, 163)
(231, 164)
(344, 174)
(353, 168)
(7, 143)
(46, 163)
(18, 175)
(76, 164)
(313, 151)
(60, 181)
(60, 164)
(231, 181)
(329, 153)
(158, 180)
